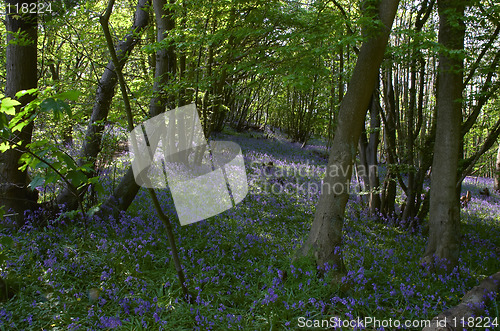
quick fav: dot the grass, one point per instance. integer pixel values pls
(119, 273)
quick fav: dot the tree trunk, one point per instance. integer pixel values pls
(389, 186)
(325, 238)
(471, 306)
(469, 163)
(415, 103)
(104, 96)
(409, 211)
(165, 66)
(497, 171)
(363, 160)
(444, 212)
(21, 63)
(372, 153)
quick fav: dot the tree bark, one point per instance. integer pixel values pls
(325, 238)
(472, 305)
(104, 96)
(165, 69)
(21, 63)
(409, 211)
(497, 171)
(372, 153)
(444, 213)
(389, 186)
(415, 104)
(368, 155)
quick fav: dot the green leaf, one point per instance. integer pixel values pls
(77, 178)
(4, 146)
(3, 121)
(57, 106)
(36, 182)
(24, 161)
(8, 106)
(97, 184)
(70, 163)
(87, 167)
(57, 165)
(51, 177)
(20, 126)
(24, 92)
(48, 104)
(41, 165)
(68, 95)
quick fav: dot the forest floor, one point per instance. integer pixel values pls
(119, 272)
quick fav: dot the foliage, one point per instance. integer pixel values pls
(48, 162)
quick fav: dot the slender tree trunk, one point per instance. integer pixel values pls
(415, 104)
(21, 63)
(444, 213)
(363, 159)
(468, 163)
(368, 155)
(341, 70)
(127, 189)
(372, 153)
(104, 96)
(409, 211)
(325, 238)
(497, 171)
(389, 186)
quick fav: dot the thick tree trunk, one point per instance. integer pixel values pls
(325, 238)
(104, 96)
(444, 213)
(497, 171)
(165, 67)
(21, 62)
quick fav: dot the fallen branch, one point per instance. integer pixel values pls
(472, 304)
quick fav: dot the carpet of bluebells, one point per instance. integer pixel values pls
(119, 273)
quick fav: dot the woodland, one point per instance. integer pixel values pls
(369, 132)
